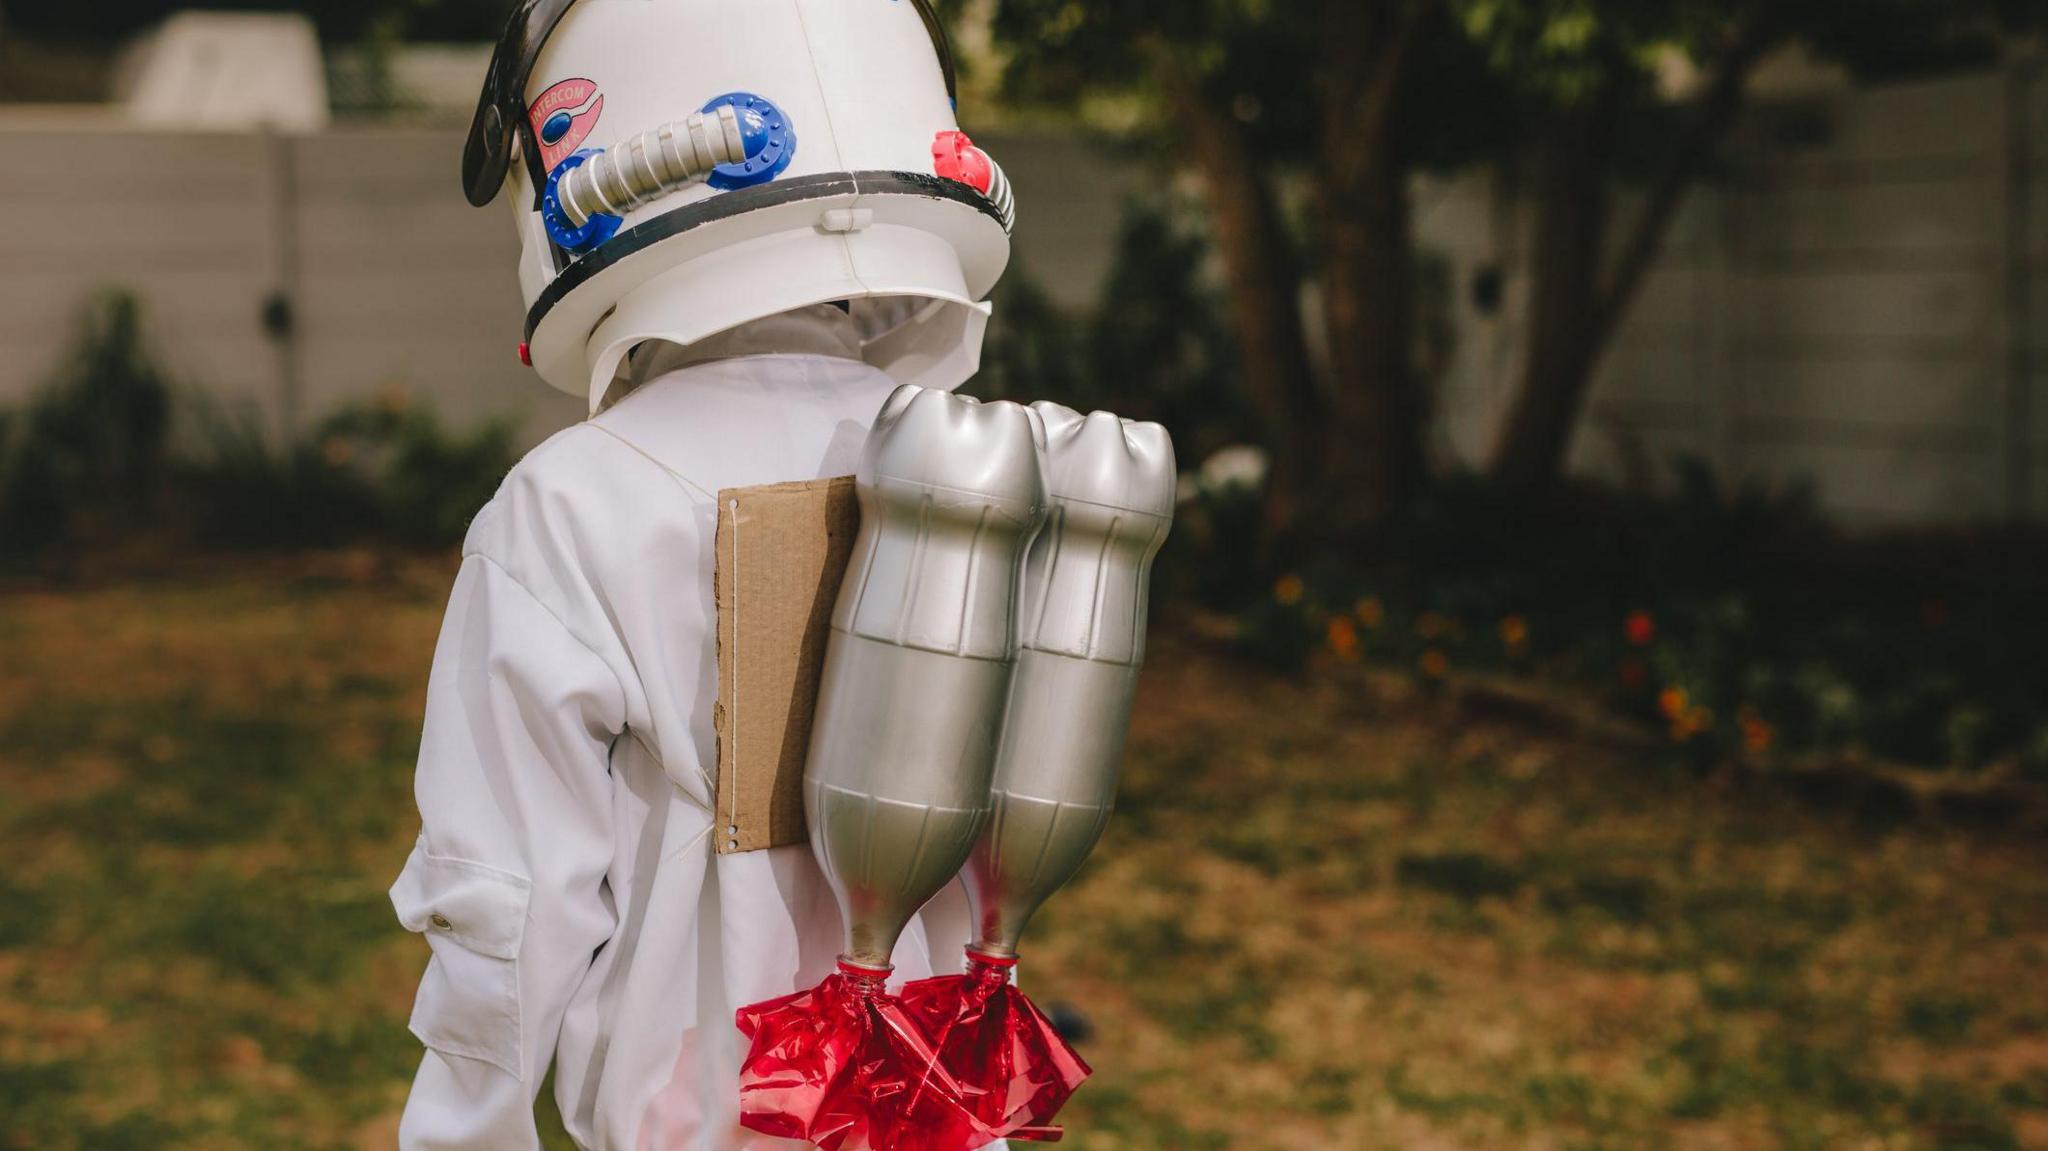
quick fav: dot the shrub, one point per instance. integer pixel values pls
(90, 458)
(1737, 622)
(91, 443)
(1158, 349)
(384, 470)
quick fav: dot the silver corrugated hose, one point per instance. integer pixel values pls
(651, 164)
(1001, 196)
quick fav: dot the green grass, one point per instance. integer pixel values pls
(1329, 913)
(208, 792)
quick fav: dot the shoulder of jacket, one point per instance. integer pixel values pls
(546, 469)
(583, 500)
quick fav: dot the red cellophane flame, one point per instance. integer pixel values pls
(843, 1067)
(1013, 1069)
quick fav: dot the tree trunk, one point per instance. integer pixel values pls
(1574, 310)
(1264, 284)
(1571, 221)
(1373, 457)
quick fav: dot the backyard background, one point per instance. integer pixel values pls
(1597, 693)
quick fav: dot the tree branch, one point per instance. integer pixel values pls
(1261, 275)
(1716, 113)
(1361, 96)
(1373, 453)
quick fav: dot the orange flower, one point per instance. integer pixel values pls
(1757, 734)
(1639, 628)
(1342, 636)
(1430, 625)
(1514, 632)
(1671, 702)
(1370, 612)
(1435, 664)
(1691, 722)
(1288, 590)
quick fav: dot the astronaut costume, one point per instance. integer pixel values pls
(744, 223)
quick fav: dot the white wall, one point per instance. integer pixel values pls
(397, 282)
(1861, 302)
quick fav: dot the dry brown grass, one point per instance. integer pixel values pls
(1328, 914)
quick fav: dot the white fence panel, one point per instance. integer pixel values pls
(1863, 301)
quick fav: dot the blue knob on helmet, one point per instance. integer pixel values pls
(767, 136)
(594, 231)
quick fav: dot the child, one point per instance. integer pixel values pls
(565, 876)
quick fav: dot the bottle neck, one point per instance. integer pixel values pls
(861, 980)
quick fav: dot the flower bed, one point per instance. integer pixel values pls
(1736, 625)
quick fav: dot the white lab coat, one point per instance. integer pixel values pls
(564, 876)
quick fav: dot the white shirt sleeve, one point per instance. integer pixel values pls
(507, 882)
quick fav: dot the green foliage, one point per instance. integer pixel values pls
(222, 899)
(93, 440)
(1568, 50)
(246, 493)
(1268, 62)
(271, 932)
(1961, 1117)
(1735, 621)
(22, 911)
(1881, 40)
(1033, 349)
(1943, 1019)
(1485, 69)
(1207, 559)
(1571, 51)
(1160, 347)
(1466, 875)
(1246, 50)
(428, 478)
(385, 470)
(89, 462)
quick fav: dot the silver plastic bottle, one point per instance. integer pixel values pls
(918, 663)
(1111, 485)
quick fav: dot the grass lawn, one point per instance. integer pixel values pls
(1328, 914)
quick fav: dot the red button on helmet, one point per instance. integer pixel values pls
(955, 157)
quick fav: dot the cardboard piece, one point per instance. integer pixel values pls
(782, 549)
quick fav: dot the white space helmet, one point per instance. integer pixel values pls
(680, 167)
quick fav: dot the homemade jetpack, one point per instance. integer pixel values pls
(681, 167)
(971, 664)
(1082, 641)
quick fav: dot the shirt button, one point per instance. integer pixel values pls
(440, 922)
